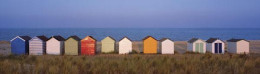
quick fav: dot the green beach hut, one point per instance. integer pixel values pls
(72, 45)
(108, 45)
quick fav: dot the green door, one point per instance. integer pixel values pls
(197, 47)
(201, 47)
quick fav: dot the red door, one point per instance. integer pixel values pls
(88, 47)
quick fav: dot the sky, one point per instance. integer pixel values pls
(129, 14)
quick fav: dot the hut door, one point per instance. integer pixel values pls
(216, 48)
(220, 47)
(201, 47)
(197, 47)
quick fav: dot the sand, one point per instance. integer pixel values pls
(180, 47)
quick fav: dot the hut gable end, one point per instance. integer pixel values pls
(108, 39)
(89, 38)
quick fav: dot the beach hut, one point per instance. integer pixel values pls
(37, 45)
(197, 45)
(166, 46)
(108, 45)
(125, 46)
(72, 45)
(238, 46)
(88, 46)
(20, 45)
(55, 45)
(215, 45)
(149, 45)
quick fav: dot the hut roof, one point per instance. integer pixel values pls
(126, 38)
(90, 37)
(148, 37)
(25, 37)
(193, 40)
(111, 38)
(74, 37)
(235, 40)
(22, 37)
(211, 40)
(59, 38)
(44, 38)
(163, 39)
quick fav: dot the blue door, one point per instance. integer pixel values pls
(216, 48)
(220, 47)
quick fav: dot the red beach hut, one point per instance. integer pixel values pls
(88, 46)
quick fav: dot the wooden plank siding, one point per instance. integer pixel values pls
(72, 47)
(37, 46)
(88, 46)
(108, 45)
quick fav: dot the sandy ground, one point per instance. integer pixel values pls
(180, 46)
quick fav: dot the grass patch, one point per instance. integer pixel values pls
(132, 64)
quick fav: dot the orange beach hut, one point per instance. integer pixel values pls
(88, 46)
(149, 45)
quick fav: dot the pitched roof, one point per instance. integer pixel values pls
(74, 37)
(44, 38)
(109, 37)
(211, 40)
(163, 39)
(235, 40)
(59, 38)
(194, 39)
(126, 38)
(90, 37)
(148, 37)
(25, 37)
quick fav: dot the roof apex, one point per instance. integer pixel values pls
(110, 38)
(126, 38)
(42, 37)
(163, 39)
(24, 38)
(57, 37)
(74, 37)
(194, 39)
(211, 40)
(235, 40)
(148, 37)
(90, 37)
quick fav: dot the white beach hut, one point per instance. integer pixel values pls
(197, 45)
(125, 46)
(37, 45)
(55, 45)
(166, 46)
(238, 46)
(215, 45)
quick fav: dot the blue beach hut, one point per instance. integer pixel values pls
(20, 45)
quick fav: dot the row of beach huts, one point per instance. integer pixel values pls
(73, 45)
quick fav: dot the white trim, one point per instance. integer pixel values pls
(16, 38)
(37, 38)
(219, 40)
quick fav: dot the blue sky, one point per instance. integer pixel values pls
(129, 14)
